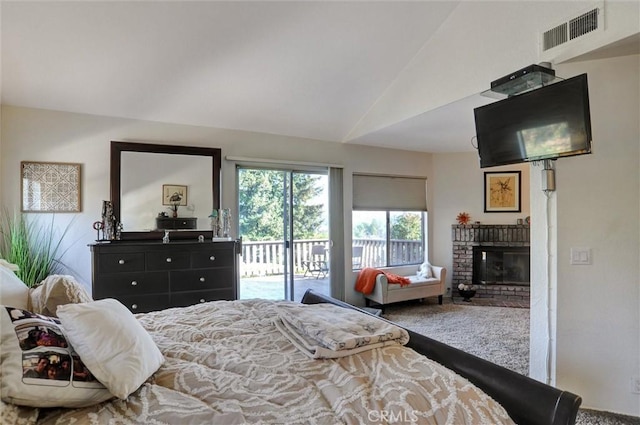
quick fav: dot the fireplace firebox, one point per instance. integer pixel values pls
(500, 265)
(499, 276)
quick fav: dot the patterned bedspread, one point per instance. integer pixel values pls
(226, 363)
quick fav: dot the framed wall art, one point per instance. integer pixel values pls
(502, 191)
(50, 186)
(173, 194)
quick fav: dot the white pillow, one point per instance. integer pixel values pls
(26, 339)
(13, 291)
(425, 271)
(118, 351)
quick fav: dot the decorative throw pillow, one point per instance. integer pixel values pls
(118, 351)
(13, 291)
(56, 290)
(425, 271)
(38, 366)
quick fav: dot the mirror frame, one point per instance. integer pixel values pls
(115, 168)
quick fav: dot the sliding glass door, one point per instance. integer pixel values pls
(283, 222)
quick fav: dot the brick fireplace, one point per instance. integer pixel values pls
(511, 283)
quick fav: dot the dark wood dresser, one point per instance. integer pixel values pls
(150, 275)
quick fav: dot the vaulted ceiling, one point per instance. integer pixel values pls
(316, 70)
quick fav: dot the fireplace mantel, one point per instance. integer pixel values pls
(491, 234)
(466, 237)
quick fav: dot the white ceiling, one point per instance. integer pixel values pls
(305, 69)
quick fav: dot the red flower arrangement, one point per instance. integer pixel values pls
(463, 218)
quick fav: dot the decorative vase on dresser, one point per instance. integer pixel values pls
(151, 275)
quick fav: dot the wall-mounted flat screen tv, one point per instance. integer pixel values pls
(547, 123)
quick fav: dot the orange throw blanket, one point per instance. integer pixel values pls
(366, 280)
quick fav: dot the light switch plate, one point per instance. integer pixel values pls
(581, 256)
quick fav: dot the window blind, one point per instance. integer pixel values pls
(377, 192)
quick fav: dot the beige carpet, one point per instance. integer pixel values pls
(497, 334)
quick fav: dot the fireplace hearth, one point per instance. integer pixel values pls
(495, 258)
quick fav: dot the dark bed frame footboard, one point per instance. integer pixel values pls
(528, 402)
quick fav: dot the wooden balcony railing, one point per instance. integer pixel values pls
(266, 258)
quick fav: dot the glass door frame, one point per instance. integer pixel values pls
(288, 219)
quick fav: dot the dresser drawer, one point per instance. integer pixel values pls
(131, 284)
(121, 262)
(170, 260)
(176, 223)
(212, 258)
(145, 303)
(194, 280)
(181, 299)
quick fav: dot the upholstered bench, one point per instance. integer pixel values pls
(420, 287)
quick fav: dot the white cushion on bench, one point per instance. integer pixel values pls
(415, 282)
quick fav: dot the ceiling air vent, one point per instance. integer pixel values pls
(573, 28)
(583, 24)
(555, 36)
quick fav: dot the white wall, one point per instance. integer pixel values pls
(486, 40)
(42, 135)
(593, 311)
(598, 207)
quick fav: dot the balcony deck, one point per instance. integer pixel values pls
(272, 287)
(261, 271)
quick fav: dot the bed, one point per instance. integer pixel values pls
(528, 402)
(227, 362)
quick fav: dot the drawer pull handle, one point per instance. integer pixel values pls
(212, 258)
(201, 300)
(120, 261)
(168, 259)
(202, 279)
(134, 283)
(134, 306)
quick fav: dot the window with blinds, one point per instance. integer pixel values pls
(376, 192)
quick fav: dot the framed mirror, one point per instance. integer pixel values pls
(143, 174)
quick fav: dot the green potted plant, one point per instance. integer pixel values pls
(33, 246)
